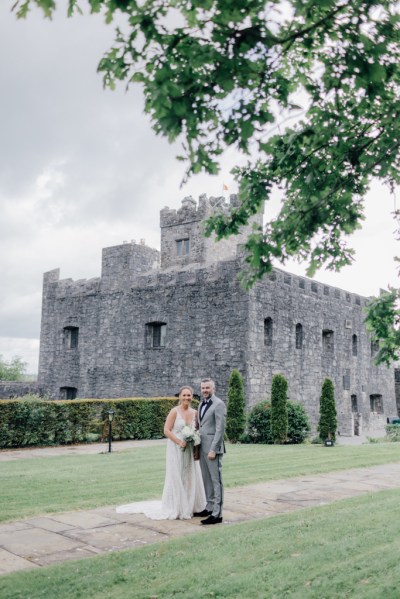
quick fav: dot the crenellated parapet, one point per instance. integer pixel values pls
(182, 232)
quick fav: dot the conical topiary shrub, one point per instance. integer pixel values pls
(236, 412)
(279, 413)
(327, 412)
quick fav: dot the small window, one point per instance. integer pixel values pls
(68, 392)
(71, 335)
(326, 290)
(354, 404)
(346, 380)
(302, 284)
(314, 287)
(299, 336)
(156, 334)
(287, 279)
(268, 332)
(354, 345)
(374, 348)
(182, 247)
(328, 342)
(376, 404)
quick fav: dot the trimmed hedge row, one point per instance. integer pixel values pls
(24, 423)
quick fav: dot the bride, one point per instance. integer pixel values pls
(183, 492)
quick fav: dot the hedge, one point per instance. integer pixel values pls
(25, 423)
(259, 424)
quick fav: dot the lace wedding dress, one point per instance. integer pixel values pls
(183, 488)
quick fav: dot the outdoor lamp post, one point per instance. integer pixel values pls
(110, 419)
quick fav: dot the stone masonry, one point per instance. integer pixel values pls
(152, 323)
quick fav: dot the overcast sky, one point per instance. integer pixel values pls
(81, 169)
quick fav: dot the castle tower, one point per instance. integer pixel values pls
(182, 233)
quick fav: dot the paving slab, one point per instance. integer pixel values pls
(55, 538)
(84, 519)
(33, 542)
(12, 563)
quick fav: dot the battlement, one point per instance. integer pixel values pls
(122, 263)
(182, 232)
(191, 211)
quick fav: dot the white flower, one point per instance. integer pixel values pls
(190, 435)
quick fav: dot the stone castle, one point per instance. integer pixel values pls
(156, 320)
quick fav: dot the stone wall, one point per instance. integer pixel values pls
(13, 389)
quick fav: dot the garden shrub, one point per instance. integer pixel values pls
(279, 414)
(43, 422)
(393, 432)
(327, 412)
(259, 424)
(236, 411)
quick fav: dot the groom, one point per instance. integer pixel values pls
(212, 415)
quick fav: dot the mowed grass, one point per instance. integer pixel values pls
(30, 487)
(349, 549)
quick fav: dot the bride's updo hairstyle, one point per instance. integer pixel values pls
(185, 387)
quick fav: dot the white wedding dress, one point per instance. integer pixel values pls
(183, 491)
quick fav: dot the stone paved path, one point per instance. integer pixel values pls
(44, 540)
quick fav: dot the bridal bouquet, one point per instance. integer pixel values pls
(190, 435)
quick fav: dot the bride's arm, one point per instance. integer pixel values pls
(168, 426)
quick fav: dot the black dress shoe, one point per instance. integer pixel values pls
(212, 520)
(202, 514)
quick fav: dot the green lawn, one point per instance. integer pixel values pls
(55, 484)
(346, 549)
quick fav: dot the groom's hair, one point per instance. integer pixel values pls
(209, 381)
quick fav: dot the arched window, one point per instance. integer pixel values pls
(376, 403)
(374, 348)
(299, 336)
(268, 332)
(355, 345)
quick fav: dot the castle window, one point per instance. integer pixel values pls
(374, 348)
(376, 404)
(326, 290)
(314, 287)
(302, 284)
(299, 336)
(354, 405)
(182, 247)
(268, 332)
(68, 392)
(156, 334)
(354, 342)
(71, 335)
(287, 279)
(327, 342)
(346, 380)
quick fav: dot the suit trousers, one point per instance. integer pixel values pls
(212, 479)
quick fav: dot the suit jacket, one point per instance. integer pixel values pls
(212, 426)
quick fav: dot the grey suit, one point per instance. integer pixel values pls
(212, 429)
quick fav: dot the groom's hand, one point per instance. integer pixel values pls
(211, 455)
